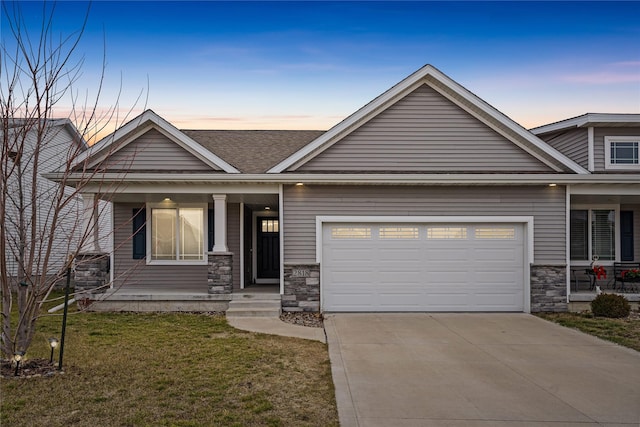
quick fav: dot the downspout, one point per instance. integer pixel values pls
(567, 243)
(281, 235)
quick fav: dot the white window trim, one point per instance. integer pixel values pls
(607, 152)
(203, 206)
(589, 208)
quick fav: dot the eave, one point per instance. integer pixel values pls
(123, 180)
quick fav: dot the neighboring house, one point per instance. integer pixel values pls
(425, 199)
(59, 140)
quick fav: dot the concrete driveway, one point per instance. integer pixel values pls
(477, 370)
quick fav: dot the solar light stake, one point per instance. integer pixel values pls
(53, 343)
(17, 357)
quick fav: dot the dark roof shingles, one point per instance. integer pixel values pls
(253, 151)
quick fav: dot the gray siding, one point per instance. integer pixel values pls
(599, 134)
(424, 132)
(154, 152)
(303, 204)
(573, 143)
(233, 239)
(129, 272)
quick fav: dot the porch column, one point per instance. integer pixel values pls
(90, 223)
(220, 223)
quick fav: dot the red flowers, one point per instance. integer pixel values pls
(600, 272)
(634, 273)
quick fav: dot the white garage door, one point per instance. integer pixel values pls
(423, 267)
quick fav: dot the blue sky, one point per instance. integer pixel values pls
(308, 65)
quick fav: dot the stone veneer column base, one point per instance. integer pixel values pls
(220, 273)
(301, 287)
(91, 272)
(548, 288)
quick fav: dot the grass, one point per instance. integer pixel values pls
(130, 369)
(625, 332)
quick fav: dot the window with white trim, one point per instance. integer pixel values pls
(177, 234)
(592, 233)
(622, 152)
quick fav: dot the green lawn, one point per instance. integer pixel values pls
(625, 332)
(172, 370)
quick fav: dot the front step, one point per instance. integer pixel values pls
(254, 305)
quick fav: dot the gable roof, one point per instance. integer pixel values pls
(253, 151)
(141, 124)
(454, 92)
(588, 120)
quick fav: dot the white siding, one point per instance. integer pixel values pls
(303, 203)
(424, 132)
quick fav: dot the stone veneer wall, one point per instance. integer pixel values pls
(220, 273)
(91, 272)
(548, 288)
(301, 287)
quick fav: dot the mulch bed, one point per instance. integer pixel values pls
(312, 320)
(28, 369)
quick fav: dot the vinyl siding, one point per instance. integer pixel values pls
(303, 204)
(233, 239)
(573, 143)
(424, 132)
(599, 134)
(129, 272)
(154, 152)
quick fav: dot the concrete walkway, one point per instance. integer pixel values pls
(275, 326)
(477, 370)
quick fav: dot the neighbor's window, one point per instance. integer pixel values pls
(177, 234)
(622, 152)
(593, 232)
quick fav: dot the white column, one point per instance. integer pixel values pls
(90, 223)
(220, 222)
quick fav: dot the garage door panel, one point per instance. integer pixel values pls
(464, 268)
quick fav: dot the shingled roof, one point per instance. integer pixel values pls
(253, 151)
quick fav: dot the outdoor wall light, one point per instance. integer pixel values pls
(17, 357)
(53, 343)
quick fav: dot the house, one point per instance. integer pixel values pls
(425, 199)
(50, 229)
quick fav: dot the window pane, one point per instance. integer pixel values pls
(447, 233)
(399, 232)
(578, 233)
(508, 233)
(163, 234)
(351, 233)
(624, 153)
(191, 234)
(603, 234)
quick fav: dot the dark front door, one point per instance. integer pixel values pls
(268, 248)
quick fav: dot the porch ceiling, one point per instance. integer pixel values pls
(605, 199)
(252, 200)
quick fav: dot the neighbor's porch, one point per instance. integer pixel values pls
(604, 242)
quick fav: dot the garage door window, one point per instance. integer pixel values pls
(406, 233)
(351, 233)
(502, 233)
(446, 232)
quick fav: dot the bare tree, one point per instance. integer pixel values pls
(41, 222)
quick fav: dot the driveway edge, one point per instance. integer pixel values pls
(344, 400)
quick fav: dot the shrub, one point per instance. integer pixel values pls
(610, 305)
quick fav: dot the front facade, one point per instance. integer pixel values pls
(426, 199)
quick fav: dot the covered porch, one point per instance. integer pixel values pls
(184, 251)
(603, 241)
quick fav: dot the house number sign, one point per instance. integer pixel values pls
(300, 272)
